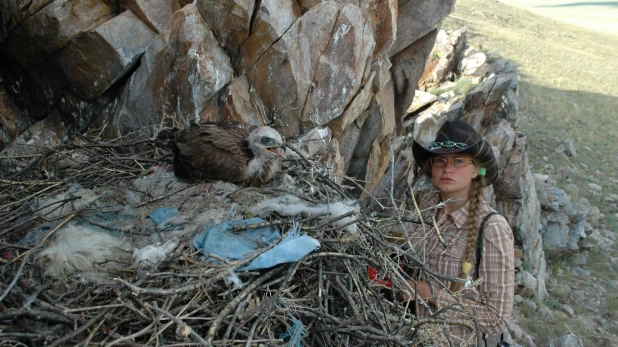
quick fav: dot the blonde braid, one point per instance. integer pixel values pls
(476, 200)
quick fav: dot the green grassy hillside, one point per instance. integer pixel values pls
(568, 87)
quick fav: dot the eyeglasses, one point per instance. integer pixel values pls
(455, 162)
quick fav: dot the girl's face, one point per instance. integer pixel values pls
(452, 174)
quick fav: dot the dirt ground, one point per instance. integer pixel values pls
(596, 15)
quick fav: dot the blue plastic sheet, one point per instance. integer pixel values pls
(221, 241)
(161, 215)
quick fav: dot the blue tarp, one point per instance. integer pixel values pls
(161, 215)
(221, 241)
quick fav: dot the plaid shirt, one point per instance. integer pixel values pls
(492, 301)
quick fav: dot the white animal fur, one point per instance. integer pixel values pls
(77, 248)
(233, 280)
(289, 205)
(151, 256)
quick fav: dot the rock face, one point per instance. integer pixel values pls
(132, 66)
(178, 78)
(118, 45)
(52, 27)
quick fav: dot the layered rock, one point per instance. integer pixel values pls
(44, 33)
(132, 66)
(118, 45)
(178, 78)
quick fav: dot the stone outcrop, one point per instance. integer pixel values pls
(133, 66)
(118, 45)
(180, 74)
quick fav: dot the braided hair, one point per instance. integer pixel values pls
(476, 200)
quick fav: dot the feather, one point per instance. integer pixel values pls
(289, 205)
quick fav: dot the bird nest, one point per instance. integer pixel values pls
(324, 299)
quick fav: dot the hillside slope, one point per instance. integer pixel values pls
(568, 90)
(568, 86)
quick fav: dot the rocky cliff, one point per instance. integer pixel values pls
(133, 66)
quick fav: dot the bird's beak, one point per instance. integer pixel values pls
(281, 152)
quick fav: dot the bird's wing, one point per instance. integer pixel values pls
(211, 152)
(228, 137)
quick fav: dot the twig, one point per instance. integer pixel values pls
(47, 236)
(180, 323)
(240, 297)
(12, 284)
(167, 195)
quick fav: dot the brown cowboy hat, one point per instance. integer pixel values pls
(459, 137)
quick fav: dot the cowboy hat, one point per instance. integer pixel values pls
(459, 137)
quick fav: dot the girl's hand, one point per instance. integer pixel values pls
(422, 289)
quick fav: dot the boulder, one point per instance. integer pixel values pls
(477, 98)
(357, 106)
(44, 33)
(569, 148)
(408, 66)
(518, 334)
(421, 100)
(230, 20)
(500, 88)
(14, 13)
(381, 69)
(556, 237)
(576, 232)
(283, 75)
(157, 14)
(178, 79)
(273, 19)
(382, 16)
(340, 71)
(568, 340)
(443, 58)
(236, 104)
(416, 19)
(99, 58)
(474, 64)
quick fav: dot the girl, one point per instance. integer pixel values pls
(460, 164)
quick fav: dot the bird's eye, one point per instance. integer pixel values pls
(265, 140)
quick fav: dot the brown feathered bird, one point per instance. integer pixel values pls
(231, 152)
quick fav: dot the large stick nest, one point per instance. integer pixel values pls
(325, 299)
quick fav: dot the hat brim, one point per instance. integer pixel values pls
(480, 150)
